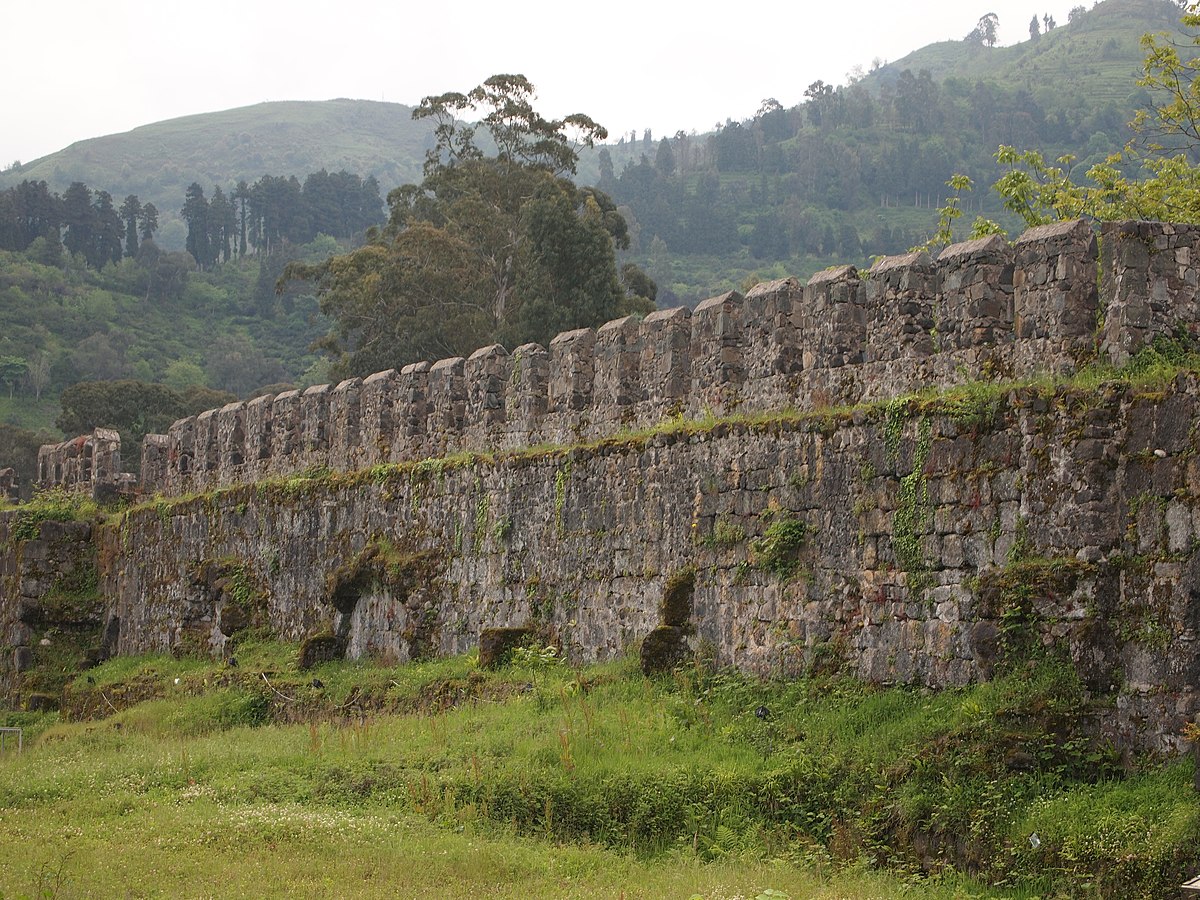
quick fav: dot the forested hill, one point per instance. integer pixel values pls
(859, 169)
(828, 164)
(157, 162)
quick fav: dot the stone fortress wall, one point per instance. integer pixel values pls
(82, 462)
(981, 308)
(917, 522)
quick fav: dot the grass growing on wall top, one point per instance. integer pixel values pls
(974, 405)
(706, 782)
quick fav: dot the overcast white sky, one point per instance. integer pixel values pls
(75, 69)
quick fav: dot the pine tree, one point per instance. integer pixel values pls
(106, 239)
(221, 222)
(148, 222)
(131, 212)
(241, 196)
(79, 217)
(195, 213)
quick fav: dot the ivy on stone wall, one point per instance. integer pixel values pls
(912, 514)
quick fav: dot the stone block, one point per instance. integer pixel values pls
(413, 411)
(717, 364)
(975, 297)
(572, 372)
(231, 442)
(617, 387)
(345, 446)
(314, 425)
(1054, 285)
(899, 297)
(497, 644)
(487, 373)
(208, 448)
(378, 415)
(772, 345)
(835, 325)
(259, 435)
(285, 432)
(665, 364)
(447, 399)
(528, 396)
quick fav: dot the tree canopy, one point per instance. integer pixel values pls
(134, 408)
(1156, 176)
(485, 248)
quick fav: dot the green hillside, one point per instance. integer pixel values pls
(157, 162)
(1097, 55)
(858, 170)
(1069, 72)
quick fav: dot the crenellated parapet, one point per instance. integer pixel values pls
(88, 463)
(981, 308)
(901, 294)
(1150, 275)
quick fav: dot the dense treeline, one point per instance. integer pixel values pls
(789, 181)
(278, 210)
(81, 221)
(262, 217)
(858, 170)
(86, 294)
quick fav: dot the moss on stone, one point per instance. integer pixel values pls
(676, 606)
(663, 649)
(1010, 596)
(778, 550)
(497, 644)
(320, 648)
(381, 562)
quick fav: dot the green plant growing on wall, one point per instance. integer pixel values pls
(482, 514)
(974, 406)
(778, 550)
(1012, 595)
(560, 492)
(74, 600)
(503, 528)
(912, 514)
(725, 534)
(54, 505)
(895, 413)
(1022, 546)
(380, 562)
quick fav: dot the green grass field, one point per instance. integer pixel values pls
(193, 778)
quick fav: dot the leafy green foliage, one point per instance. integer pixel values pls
(484, 249)
(520, 134)
(535, 657)
(1149, 179)
(913, 512)
(778, 549)
(134, 408)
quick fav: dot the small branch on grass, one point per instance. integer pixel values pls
(275, 692)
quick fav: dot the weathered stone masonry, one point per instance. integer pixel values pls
(1092, 500)
(982, 308)
(918, 521)
(81, 463)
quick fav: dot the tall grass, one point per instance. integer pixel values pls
(354, 778)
